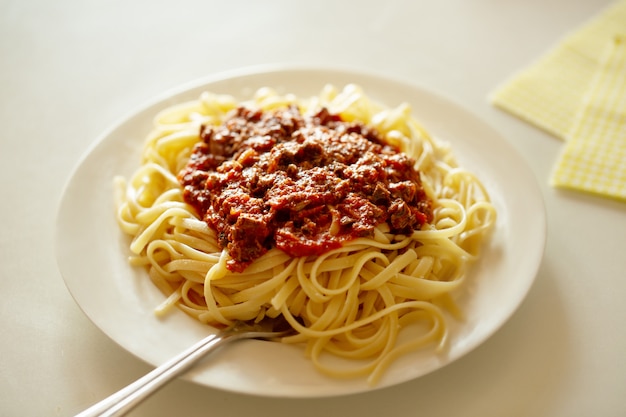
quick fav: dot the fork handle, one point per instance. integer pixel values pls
(127, 398)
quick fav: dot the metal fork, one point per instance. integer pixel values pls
(124, 400)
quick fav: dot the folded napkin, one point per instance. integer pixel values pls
(577, 92)
(594, 158)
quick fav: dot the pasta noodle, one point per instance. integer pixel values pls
(350, 302)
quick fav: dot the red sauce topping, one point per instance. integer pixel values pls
(301, 184)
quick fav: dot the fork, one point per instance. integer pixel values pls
(124, 400)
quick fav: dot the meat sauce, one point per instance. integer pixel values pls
(301, 184)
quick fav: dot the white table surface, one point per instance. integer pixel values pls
(69, 69)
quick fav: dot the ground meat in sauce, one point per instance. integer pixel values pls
(301, 184)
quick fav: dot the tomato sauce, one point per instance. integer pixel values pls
(303, 184)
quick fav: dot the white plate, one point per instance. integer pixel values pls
(120, 300)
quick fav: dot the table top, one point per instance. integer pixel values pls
(71, 69)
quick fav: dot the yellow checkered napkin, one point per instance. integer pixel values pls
(594, 158)
(576, 92)
(549, 93)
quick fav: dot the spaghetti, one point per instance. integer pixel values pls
(349, 300)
